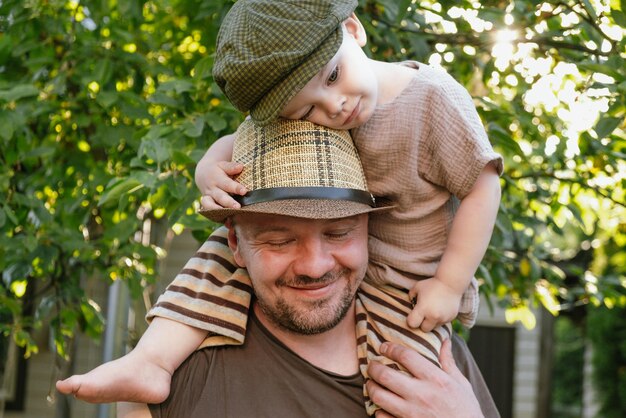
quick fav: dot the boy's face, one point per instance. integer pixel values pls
(344, 93)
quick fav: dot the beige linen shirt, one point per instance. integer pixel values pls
(422, 152)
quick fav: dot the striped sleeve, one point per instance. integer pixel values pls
(209, 293)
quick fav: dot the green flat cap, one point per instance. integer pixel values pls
(268, 50)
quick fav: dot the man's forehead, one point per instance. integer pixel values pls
(256, 223)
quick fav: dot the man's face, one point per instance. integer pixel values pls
(344, 94)
(305, 273)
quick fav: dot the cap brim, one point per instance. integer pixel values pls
(297, 208)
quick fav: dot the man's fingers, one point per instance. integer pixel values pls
(386, 399)
(414, 362)
(447, 360)
(383, 414)
(400, 383)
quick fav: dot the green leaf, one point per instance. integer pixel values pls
(43, 151)
(164, 99)
(114, 193)
(146, 178)
(216, 122)
(177, 186)
(606, 126)
(156, 149)
(179, 86)
(403, 7)
(503, 138)
(601, 68)
(107, 98)
(7, 127)
(590, 10)
(94, 321)
(104, 71)
(193, 128)
(11, 215)
(203, 68)
(19, 92)
(619, 17)
(17, 271)
(575, 210)
(484, 272)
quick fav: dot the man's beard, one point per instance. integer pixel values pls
(311, 318)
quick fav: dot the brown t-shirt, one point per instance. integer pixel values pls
(261, 378)
(264, 378)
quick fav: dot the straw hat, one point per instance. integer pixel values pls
(296, 168)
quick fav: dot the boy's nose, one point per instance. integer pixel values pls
(334, 106)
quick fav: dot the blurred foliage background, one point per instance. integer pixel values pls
(107, 105)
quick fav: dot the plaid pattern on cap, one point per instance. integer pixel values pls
(268, 50)
(296, 168)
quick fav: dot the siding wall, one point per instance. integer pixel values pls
(527, 361)
(42, 374)
(88, 353)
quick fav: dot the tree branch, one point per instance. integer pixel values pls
(579, 182)
(487, 40)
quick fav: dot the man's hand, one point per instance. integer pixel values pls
(215, 181)
(429, 392)
(436, 304)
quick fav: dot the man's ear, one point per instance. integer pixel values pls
(354, 28)
(233, 243)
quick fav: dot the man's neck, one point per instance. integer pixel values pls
(334, 350)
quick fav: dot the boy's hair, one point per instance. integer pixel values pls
(267, 50)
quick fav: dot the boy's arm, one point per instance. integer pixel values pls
(467, 243)
(471, 231)
(214, 174)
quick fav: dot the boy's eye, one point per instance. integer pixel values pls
(307, 114)
(333, 76)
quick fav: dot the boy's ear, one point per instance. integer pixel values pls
(233, 243)
(354, 28)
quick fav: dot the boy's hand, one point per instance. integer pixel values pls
(436, 304)
(216, 184)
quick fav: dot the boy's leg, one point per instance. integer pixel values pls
(144, 374)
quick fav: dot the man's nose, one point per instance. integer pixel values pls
(314, 259)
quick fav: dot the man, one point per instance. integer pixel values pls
(301, 235)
